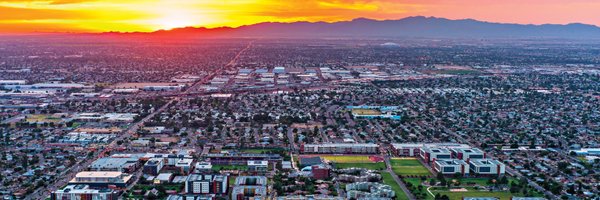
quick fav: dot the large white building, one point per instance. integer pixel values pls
(101, 179)
(433, 154)
(468, 153)
(340, 148)
(413, 149)
(451, 166)
(487, 167)
(80, 192)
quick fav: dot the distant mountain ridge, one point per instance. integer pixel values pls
(419, 26)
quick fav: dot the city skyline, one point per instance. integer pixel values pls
(27, 16)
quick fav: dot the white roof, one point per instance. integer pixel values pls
(89, 174)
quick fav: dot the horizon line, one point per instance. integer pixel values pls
(280, 22)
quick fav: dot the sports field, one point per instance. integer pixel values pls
(348, 159)
(42, 119)
(408, 167)
(359, 111)
(342, 162)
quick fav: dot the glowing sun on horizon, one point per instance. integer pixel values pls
(175, 20)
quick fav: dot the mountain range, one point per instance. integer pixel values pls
(410, 27)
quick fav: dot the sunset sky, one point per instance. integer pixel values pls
(148, 15)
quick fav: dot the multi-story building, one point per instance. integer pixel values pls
(206, 184)
(184, 165)
(433, 154)
(487, 167)
(101, 179)
(366, 190)
(320, 172)
(240, 158)
(414, 149)
(407, 149)
(249, 192)
(341, 148)
(249, 187)
(153, 166)
(80, 192)
(468, 153)
(451, 166)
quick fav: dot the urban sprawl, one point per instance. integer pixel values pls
(299, 119)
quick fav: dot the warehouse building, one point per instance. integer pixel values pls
(125, 165)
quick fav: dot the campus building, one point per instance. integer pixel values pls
(256, 165)
(249, 187)
(240, 158)
(125, 165)
(451, 166)
(340, 148)
(468, 153)
(367, 190)
(407, 150)
(153, 166)
(487, 167)
(206, 184)
(414, 149)
(78, 192)
(101, 179)
(433, 154)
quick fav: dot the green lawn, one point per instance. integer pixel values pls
(389, 180)
(472, 193)
(229, 167)
(408, 167)
(372, 166)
